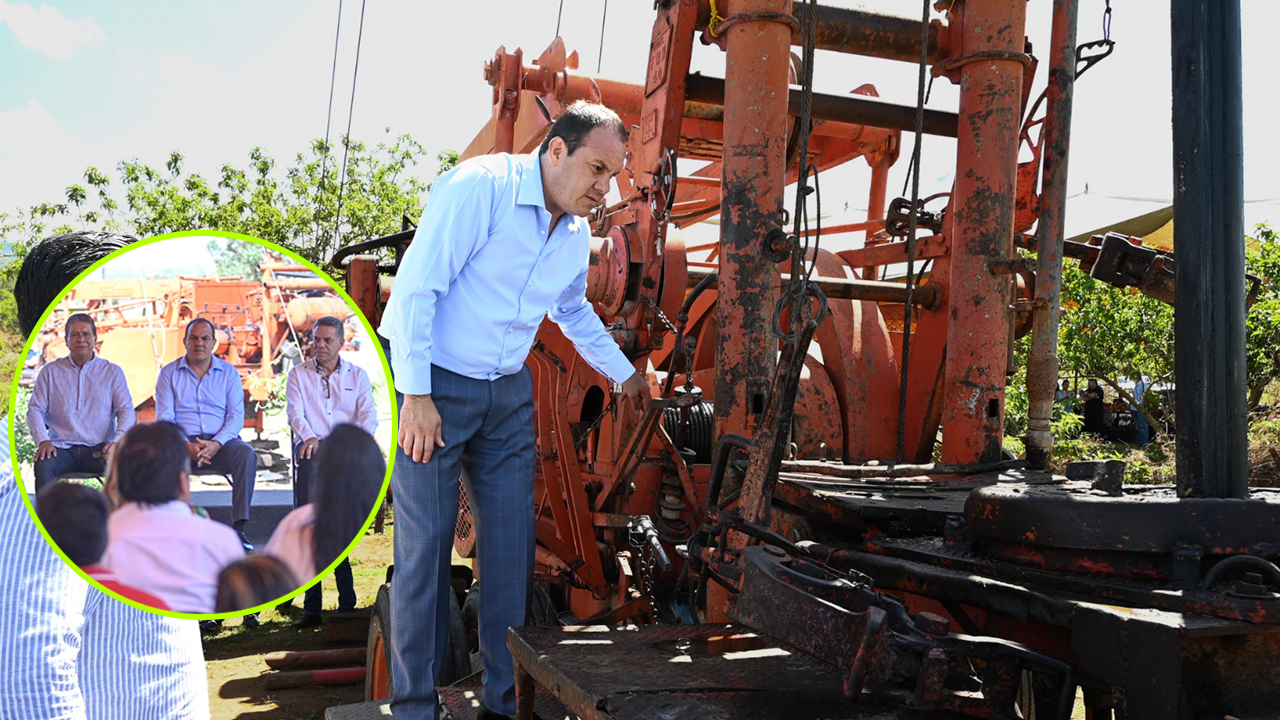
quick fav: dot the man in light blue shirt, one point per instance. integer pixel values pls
(70, 651)
(80, 407)
(203, 395)
(502, 244)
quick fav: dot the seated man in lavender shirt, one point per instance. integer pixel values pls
(79, 408)
(202, 394)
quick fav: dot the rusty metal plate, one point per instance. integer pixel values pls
(461, 701)
(1151, 519)
(659, 51)
(684, 671)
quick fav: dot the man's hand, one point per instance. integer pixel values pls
(208, 448)
(46, 451)
(195, 450)
(308, 448)
(636, 388)
(420, 429)
(107, 448)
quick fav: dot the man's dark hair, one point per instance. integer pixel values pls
(332, 322)
(350, 469)
(150, 461)
(52, 264)
(186, 333)
(75, 516)
(576, 123)
(253, 581)
(80, 318)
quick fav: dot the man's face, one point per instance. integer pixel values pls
(199, 342)
(81, 340)
(325, 344)
(577, 183)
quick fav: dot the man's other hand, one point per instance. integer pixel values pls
(308, 448)
(636, 388)
(209, 448)
(420, 429)
(46, 451)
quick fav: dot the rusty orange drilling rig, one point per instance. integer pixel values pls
(824, 469)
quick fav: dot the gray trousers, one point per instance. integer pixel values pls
(238, 460)
(489, 445)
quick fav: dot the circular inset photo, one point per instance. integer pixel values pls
(201, 424)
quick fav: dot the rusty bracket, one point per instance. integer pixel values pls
(1123, 261)
(884, 650)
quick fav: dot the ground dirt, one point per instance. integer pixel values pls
(234, 656)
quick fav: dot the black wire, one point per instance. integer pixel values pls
(328, 120)
(911, 236)
(559, 16)
(346, 145)
(604, 16)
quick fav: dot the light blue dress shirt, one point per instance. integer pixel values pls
(71, 652)
(484, 269)
(80, 405)
(212, 405)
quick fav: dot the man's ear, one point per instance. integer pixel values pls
(184, 487)
(556, 150)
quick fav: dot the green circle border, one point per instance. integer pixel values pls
(26, 349)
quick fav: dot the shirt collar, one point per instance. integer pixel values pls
(213, 363)
(316, 366)
(92, 360)
(531, 191)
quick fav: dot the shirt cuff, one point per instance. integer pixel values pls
(226, 437)
(411, 379)
(619, 368)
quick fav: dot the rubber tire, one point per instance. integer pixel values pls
(377, 649)
(457, 662)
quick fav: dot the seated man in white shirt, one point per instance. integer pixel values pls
(156, 542)
(80, 407)
(323, 393)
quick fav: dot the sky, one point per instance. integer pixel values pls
(88, 83)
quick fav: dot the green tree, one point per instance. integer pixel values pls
(1112, 333)
(306, 207)
(1262, 343)
(234, 257)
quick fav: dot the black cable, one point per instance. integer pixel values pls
(911, 237)
(346, 145)
(604, 16)
(328, 120)
(559, 16)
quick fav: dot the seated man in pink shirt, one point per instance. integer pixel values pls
(75, 516)
(156, 542)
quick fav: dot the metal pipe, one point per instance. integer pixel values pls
(838, 108)
(848, 289)
(1208, 221)
(754, 170)
(1042, 363)
(858, 32)
(982, 219)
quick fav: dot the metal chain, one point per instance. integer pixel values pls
(645, 562)
(661, 315)
(595, 424)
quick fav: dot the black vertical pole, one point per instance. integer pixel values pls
(1208, 222)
